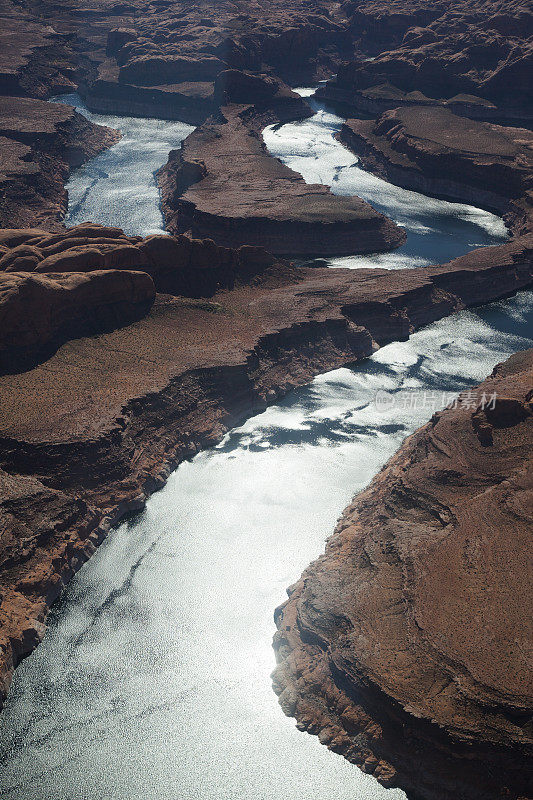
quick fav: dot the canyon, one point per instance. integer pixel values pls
(404, 606)
(123, 355)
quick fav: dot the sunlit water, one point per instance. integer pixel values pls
(437, 231)
(118, 186)
(153, 679)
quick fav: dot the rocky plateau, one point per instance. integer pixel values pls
(121, 356)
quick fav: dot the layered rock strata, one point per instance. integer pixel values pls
(88, 434)
(404, 647)
(474, 56)
(40, 143)
(162, 60)
(436, 152)
(90, 279)
(167, 64)
(223, 180)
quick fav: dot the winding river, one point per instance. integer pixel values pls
(153, 679)
(118, 186)
(437, 230)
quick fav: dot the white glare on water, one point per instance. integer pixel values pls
(153, 679)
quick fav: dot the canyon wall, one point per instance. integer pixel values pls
(404, 647)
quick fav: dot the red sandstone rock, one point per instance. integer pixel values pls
(438, 153)
(254, 199)
(103, 437)
(177, 264)
(40, 143)
(35, 59)
(406, 640)
(39, 313)
(442, 50)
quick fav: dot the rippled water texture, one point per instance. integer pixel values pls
(437, 231)
(153, 679)
(118, 187)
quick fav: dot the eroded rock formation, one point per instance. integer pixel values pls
(40, 143)
(223, 180)
(91, 279)
(475, 56)
(436, 152)
(404, 647)
(39, 312)
(87, 435)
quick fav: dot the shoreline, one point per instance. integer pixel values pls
(88, 434)
(367, 658)
(108, 472)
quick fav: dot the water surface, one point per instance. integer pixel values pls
(153, 679)
(118, 186)
(437, 230)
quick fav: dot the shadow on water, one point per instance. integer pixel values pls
(437, 231)
(158, 656)
(153, 678)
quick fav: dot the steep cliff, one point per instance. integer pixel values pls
(404, 647)
(87, 435)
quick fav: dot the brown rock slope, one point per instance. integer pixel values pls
(165, 63)
(88, 434)
(405, 646)
(39, 143)
(90, 279)
(39, 312)
(436, 152)
(161, 59)
(476, 56)
(35, 60)
(223, 183)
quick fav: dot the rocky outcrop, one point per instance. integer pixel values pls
(38, 313)
(162, 60)
(176, 264)
(267, 99)
(404, 647)
(441, 51)
(436, 152)
(91, 279)
(41, 142)
(86, 436)
(223, 180)
(343, 91)
(35, 60)
(186, 46)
